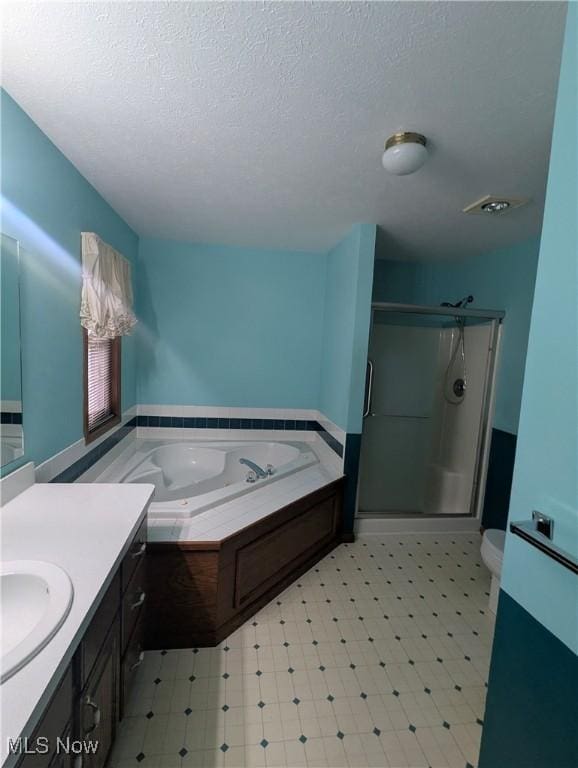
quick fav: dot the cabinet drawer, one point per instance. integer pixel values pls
(54, 724)
(135, 555)
(98, 629)
(132, 660)
(132, 603)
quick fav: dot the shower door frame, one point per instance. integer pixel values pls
(495, 317)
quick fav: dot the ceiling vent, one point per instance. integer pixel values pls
(495, 205)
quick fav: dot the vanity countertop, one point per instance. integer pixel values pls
(86, 530)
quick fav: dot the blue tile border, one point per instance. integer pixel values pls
(204, 422)
(10, 417)
(74, 471)
(331, 441)
(351, 472)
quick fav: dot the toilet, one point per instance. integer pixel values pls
(492, 552)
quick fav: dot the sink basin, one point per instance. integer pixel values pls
(36, 599)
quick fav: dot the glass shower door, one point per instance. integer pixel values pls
(427, 401)
(396, 430)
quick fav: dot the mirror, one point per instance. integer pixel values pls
(11, 431)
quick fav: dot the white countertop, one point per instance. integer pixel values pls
(86, 529)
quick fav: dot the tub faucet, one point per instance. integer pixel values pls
(255, 467)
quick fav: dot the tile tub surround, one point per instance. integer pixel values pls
(85, 529)
(232, 516)
(78, 460)
(377, 656)
(69, 464)
(79, 467)
(205, 421)
(10, 417)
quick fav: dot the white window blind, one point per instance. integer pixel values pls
(100, 381)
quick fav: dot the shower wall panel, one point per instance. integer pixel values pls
(456, 427)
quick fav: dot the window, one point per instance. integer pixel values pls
(101, 385)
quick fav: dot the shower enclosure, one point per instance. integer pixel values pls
(427, 417)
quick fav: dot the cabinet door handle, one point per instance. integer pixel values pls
(140, 551)
(140, 601)
(137, 663)
(96, 714)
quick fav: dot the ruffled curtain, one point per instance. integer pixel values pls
(106, 302)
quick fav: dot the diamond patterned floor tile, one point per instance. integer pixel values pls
(377, 657)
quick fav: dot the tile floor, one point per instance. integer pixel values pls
(377, 656)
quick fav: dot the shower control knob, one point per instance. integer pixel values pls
(459, 387)
(270, 469)
(251, 476)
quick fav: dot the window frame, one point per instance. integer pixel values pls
(115, 418)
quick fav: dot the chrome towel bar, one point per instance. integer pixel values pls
(531, 531)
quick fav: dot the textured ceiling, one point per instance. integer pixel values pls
(262, 124)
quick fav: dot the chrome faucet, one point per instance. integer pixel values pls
(255, 467)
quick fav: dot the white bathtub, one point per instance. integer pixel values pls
(193, 476)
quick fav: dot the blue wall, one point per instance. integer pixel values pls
(532, 704)
(10, 381)
(229, 326)
(253, 328)
(502, 279)
(349, 276)
(398, 281)
(46, 204)
(218, 326)
(546, 469)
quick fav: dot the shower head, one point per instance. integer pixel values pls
(461, 303)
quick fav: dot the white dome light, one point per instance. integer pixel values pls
(404, 153)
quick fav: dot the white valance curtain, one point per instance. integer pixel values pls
(106, 303)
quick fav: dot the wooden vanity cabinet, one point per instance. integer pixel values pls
(134, 596)
(57, 721)
(89, 700)
(98, 704)
(131, 660)
(64, 759)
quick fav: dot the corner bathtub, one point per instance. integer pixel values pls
(191, 477)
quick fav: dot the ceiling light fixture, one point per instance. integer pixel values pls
(405, 152)
(495, 205)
